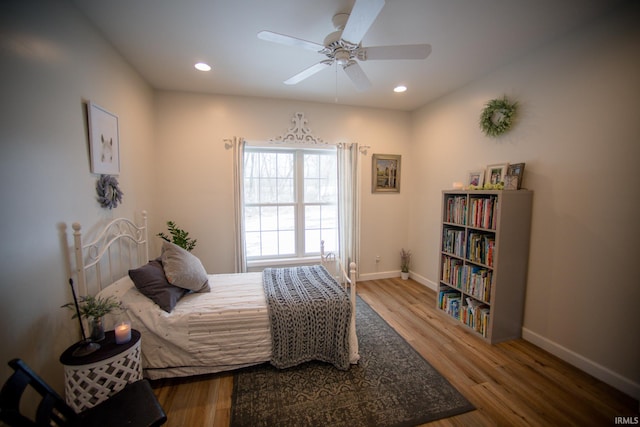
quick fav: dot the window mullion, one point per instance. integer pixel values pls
(299, 183)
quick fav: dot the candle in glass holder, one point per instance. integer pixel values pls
(123, 332)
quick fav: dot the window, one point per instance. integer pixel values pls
(290, 202)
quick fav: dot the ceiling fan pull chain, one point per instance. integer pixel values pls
(336, 98)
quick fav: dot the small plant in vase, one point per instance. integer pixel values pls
(94, 309)
(405, 263)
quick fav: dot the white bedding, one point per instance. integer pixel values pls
(216, 331)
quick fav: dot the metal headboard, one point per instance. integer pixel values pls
(120, 246)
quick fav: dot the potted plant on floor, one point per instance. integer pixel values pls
(94, 309)
(405, 262)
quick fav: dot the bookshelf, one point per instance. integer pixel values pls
(484, 252)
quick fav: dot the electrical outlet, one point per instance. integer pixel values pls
(377, 258)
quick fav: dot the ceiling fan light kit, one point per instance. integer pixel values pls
(343, 46)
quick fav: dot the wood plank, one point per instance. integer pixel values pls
(511, 383)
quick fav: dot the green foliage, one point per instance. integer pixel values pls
(405, 260)
(178, 237)
(94, 308)
(497, 116)
(497, 186)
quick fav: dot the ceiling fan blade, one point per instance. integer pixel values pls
(357, 76)
(361, 18)
(308, 72)
(270, 36)
(409, 51)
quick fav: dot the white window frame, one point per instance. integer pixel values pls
(300, 257)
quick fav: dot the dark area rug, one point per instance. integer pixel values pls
(392, 385)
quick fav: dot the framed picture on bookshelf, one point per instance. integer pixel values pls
(516, 169)
(511, 182)
(495, 173)
(475, 178)
(385, 173)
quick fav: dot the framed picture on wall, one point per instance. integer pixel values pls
(104, 143)
(385, 176)
(495, 173)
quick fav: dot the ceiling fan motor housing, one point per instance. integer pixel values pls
(335, 47)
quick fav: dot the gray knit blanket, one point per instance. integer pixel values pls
(310, 315)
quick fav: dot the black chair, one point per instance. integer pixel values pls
(135, 405)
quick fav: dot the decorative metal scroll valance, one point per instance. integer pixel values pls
(299, 133)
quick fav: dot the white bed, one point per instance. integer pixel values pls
(220, 330)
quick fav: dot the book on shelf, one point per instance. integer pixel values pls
(477, 282)
(453, 241)
(456, 209)
(475, 314)
(452, 271)
(481, 247)
(483, 212)
(449, 301)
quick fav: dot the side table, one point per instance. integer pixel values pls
(91, 379)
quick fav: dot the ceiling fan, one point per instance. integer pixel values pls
(343, 45)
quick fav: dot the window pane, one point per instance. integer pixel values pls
(252, 218)
(287, 242)
(269, 218)
(268, 164)
(287, 218)
(251, 190)
(329, 215)
(286, 191)
(330, 237)
(270, 243)
(252, 240)
(268, 190)
(285, 165)
(311, 217)
(311, 190)
(311, 166)
(251, 164)
(312, 241)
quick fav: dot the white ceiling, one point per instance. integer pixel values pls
(162, 39)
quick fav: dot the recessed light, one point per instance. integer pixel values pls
(399, 89)
(202, 66)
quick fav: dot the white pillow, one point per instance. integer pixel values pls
(183, 269)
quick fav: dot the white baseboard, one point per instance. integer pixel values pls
(424, 281)
(389, 274)
(379, 275)
(589, 366)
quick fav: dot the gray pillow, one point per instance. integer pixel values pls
(152, 283)
(183, 269)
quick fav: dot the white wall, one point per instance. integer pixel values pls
(195, 187)
(52, 62)
(578, 134)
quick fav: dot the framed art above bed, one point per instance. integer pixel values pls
(104, 140)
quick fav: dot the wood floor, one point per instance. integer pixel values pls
(511, 384)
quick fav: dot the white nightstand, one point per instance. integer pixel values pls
(91, 379)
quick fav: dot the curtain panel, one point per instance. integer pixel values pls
(349, 203)
(238, 191)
